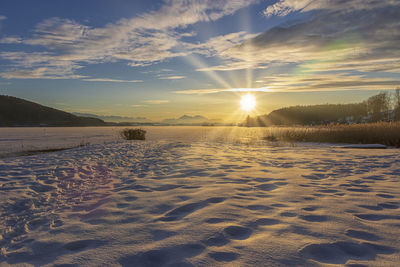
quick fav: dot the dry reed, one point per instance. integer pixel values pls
(387, 133)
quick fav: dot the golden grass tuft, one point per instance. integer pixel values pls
(386, 133)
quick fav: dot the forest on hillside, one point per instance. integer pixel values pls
(19, 112)
(381, 107)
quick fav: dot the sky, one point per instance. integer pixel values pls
(164, 59)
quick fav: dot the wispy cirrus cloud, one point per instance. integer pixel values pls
(156, 101)
(143, 40)
(326, 81)
(213, 91)
(285, 7)
(347, 37)
(317, 82)
(111, 80)
(36, 65)
(137, 106)
(331, 36)
(352, 36)
(11, 40)
(176, 77)
(57, 33)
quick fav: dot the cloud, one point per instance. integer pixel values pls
(309, 82)
(314, 83)
(350, 38)
(356, 39)
(138, 106)
(2, 17)
(156, 101)
(325, 81)
(219, 45)
(111, 80)
(140, 41)
(285, 7)
(39, 65)
(212, 91)
(172, 77)
(11, 40)
(58, 33)
(41, 73)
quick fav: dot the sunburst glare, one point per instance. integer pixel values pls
(248, 102)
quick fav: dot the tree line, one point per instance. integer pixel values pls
(384, 106)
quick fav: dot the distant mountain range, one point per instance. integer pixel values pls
(189, 120)
(183, 120)
(19, 112)
(113, 118)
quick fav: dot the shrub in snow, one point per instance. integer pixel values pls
(133, 134)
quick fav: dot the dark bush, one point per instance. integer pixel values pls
(133, 134)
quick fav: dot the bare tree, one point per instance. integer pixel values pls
(378, 106)
(396, 99)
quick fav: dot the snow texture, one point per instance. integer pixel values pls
(200, 203)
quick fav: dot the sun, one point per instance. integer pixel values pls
(248, 102)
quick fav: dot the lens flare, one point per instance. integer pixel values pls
(248, 102)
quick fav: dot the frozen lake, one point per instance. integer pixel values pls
(19, 139)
